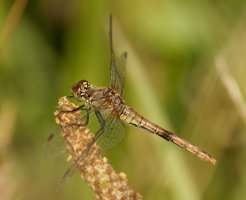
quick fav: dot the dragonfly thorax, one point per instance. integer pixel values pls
(81, 90)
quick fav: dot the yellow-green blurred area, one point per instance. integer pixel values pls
(186, 71)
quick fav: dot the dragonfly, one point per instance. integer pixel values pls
(112, 113)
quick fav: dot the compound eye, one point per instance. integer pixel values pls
(86, 84)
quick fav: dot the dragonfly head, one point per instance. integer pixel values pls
(80, 90)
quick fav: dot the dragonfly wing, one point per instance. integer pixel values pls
(106, 138)
(54, 146)
(70, 171)
(112, 133)
(117, 68)
(120, 75)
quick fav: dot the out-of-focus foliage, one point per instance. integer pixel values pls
(185, 71)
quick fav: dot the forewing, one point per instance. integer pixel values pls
(117, 68)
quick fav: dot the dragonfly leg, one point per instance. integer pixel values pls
(75, 109)
(101, 120)
(79, 122)
(86, 117)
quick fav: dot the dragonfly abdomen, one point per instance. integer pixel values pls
(131, 117)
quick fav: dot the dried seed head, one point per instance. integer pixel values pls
(93, 168)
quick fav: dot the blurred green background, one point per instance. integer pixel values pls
(186, 71)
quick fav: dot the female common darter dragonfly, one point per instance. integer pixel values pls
(112, 113)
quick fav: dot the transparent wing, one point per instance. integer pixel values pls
(112, 134)
(54, 146)
(106, 138)
(117, 69)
